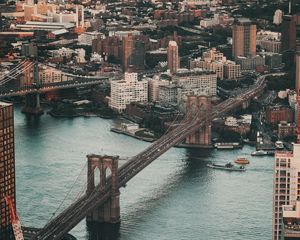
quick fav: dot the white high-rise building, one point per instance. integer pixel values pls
(277, 18)
(123, 92)
(286, 185)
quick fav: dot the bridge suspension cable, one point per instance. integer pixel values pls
(14, 69)
(19, 70)
(69, 191)
(78, 196)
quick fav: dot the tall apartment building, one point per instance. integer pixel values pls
(243, 38)
(7, 167)
(173, 57)
(286, 189)
(286, 186)
(133, 53)
(129, 90)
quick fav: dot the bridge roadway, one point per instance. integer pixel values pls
(70, 217)
(46, 87)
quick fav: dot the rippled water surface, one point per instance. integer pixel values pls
(176, 197)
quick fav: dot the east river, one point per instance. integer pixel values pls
(176, 197)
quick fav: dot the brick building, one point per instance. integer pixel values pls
(276, 114)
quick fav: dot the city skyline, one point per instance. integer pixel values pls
(92, 93)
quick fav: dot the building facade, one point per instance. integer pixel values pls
(291, 221)
(232, 70)
(250, 63)
(288, 33)
(197, 80)
(153, 86)
(243, 38)
(215, 61)
(277, 114)
(50, 75)
(129, 90)
(286, 188)
(173, 57)
(133, 53)
(7, 167)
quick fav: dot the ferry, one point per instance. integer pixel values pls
(242, 160)
(227, 167)
(227, 145)
(279, 145)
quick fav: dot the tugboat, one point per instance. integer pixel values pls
(228, 167)
(242, 161)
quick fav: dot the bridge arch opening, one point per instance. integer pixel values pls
(97, 176)
(107, 173)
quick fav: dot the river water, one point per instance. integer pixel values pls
(176, 197)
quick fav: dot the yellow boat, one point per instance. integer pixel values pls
(242, 161)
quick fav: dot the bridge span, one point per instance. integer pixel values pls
(47, 87)
(98, 196)
(31, 90)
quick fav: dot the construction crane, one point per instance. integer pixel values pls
(15, 221)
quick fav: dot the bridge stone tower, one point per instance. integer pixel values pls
(32, 100)
(109, 212)
(202, 137)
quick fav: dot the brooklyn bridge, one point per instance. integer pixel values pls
(102, 202)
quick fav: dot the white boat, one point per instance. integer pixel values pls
(259, 153)
(279, 145)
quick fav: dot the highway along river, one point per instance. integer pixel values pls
(176, 197)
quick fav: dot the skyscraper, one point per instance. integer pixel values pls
(297, 19)
(286, 189)
(243, 38)
(127, 58)
(7, 167)
(288, 33)
(133, 57)
(286, 185)
(173, 58)
(298, 74)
